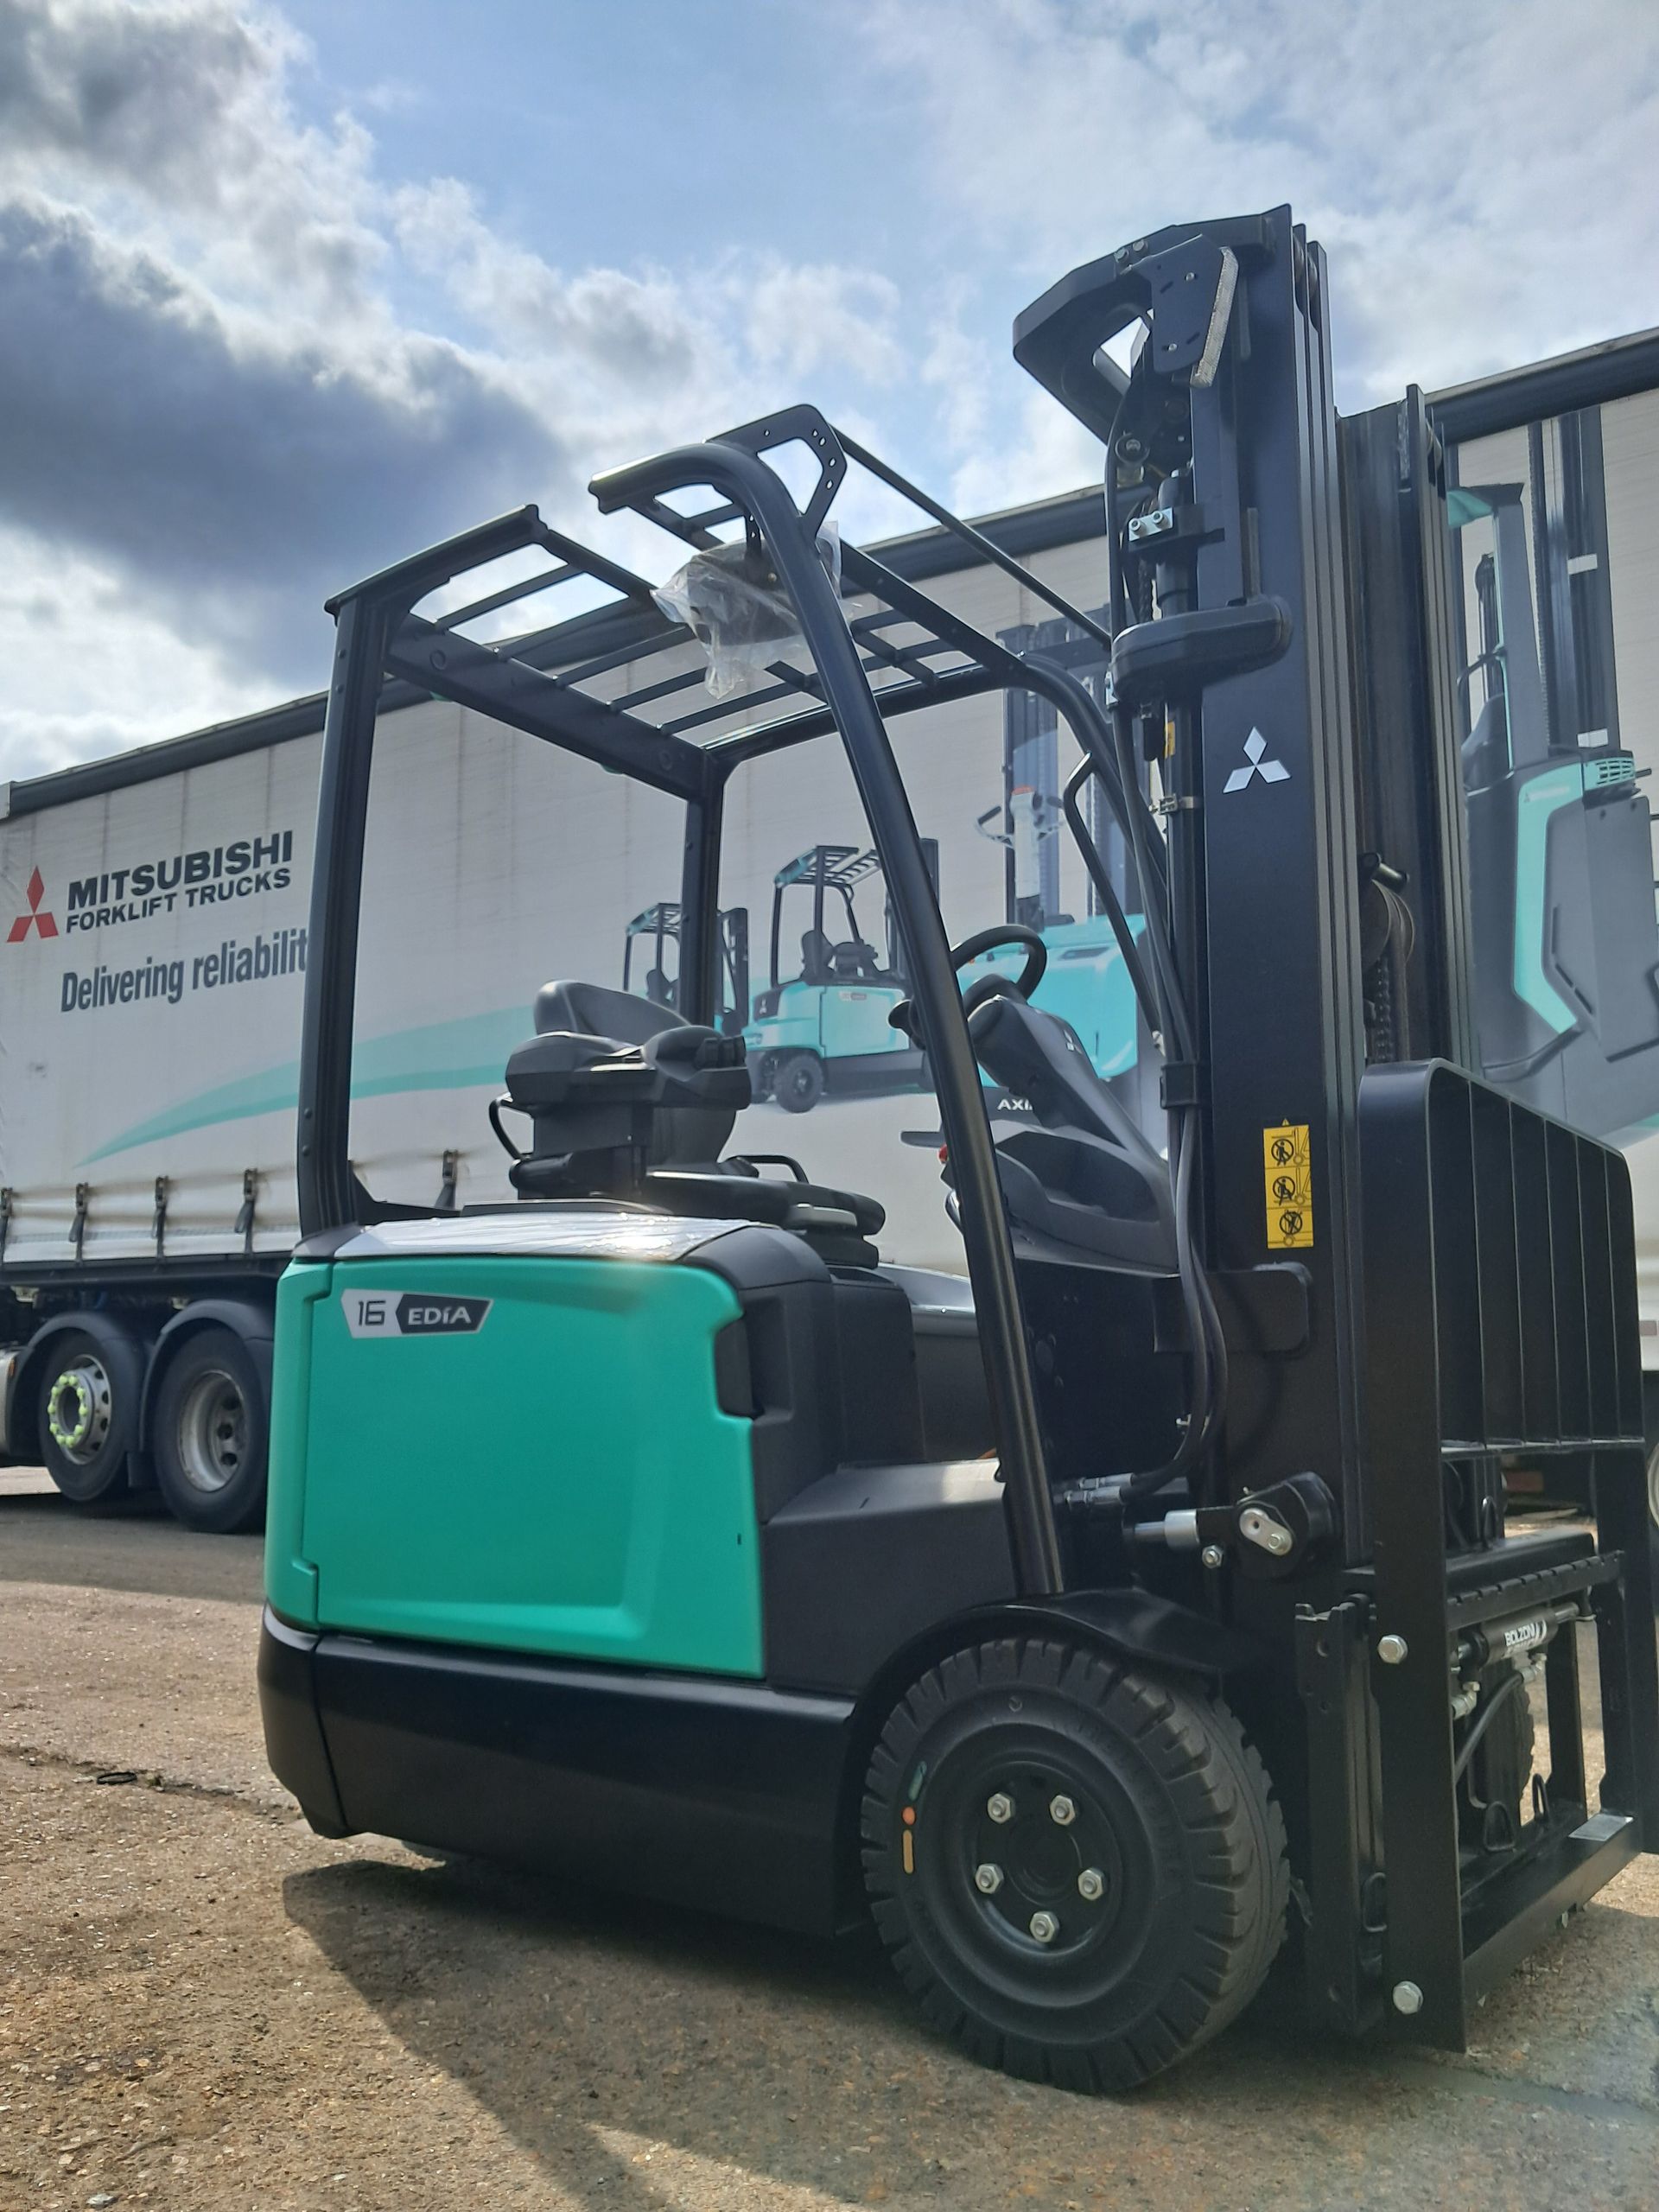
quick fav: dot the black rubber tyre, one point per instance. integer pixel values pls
(209, 1434)
(1653, 1520)
(1170, 1807)
(797, 1081)
(87, 1415)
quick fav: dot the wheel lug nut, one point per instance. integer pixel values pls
(1062, 1811)
(1091, 1884)
(1045, 1927)
(1000, 1807)
(987, 1879)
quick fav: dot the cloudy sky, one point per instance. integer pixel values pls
(287, 291)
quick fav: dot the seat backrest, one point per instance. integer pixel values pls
(1087, 1175)
(682, 1136)
(815, 957)
(591, 1010)
(1038, 1056)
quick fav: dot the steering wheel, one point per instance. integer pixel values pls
(988, 986)
(983, 941)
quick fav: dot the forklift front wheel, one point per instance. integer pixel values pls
(1079, 1870)
(797, 1081)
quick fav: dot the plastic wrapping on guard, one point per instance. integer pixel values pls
(731, 600)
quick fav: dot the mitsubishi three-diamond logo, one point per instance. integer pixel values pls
(1271, 772)
(37, 918)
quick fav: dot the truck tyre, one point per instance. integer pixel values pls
(209, 1434)
(797, 1081)
(88, 1404)
(1079, 1870)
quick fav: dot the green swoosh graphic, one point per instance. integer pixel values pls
(438, 1056)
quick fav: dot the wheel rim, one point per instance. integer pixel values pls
(1043, 1861)
(79, 1408)
(212, 1431)
(1652, 1486)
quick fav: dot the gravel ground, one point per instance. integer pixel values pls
(202, 2005)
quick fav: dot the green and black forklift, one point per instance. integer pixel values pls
(1140, 1602)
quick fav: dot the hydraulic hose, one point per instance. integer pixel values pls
(1208, 1349)
(1495, 1699)
(1106, 891)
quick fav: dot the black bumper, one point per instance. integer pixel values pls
(295, 1743)
(728, 1795)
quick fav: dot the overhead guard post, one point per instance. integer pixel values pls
(739, 475)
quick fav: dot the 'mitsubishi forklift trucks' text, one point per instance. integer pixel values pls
(1074, 1618)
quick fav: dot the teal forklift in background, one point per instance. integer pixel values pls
(1560, 844)
(659, 927)
(827, 1027)
(1088, 982)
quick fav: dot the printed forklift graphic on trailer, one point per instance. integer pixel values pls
(1087, 983)
(659, 927)
(830, 1027)
(827, 1027)
(1059, 1615)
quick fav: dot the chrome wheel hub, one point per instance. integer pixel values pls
(79, 1408)
(212, 1431)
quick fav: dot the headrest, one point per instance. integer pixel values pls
(590, 1010)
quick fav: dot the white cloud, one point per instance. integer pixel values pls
(89, 671)
(1483, 177)
(173, 121)
(799, 319)
(239, 365)
(212, 403)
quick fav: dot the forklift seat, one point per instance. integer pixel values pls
(691, 1084)
(609, 1077)
(854, 961)
(816, 951)
(1085, 1179)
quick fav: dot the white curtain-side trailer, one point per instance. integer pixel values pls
(153, 912)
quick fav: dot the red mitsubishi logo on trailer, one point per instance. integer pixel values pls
(35, 919)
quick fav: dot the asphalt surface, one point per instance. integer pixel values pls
(137, 1548)
(203, 2005)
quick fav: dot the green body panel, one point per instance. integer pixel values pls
(1085, 985)
(564, 1481)
(855, 1020)
(290, 1579)
(1540, 800)
(837, 1020)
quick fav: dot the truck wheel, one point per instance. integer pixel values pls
(797, 1081)
(209, 1434)
(1079, 1870)
(87, 1402)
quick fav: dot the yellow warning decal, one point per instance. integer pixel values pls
(1289, 1187)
